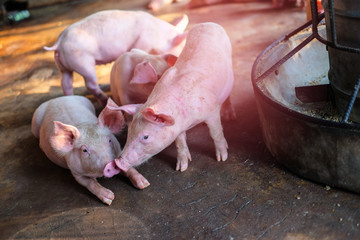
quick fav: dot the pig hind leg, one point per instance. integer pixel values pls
(183, 154)
(88, 71)
(66, 76)
(217, 134)
(67, 83)
(227, 110)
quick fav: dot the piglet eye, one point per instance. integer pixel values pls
(84, 149)
(145, 137)
(109, 140)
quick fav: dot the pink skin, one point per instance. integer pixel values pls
(135, 73)
(84, 44)
(190, 92)
(72, 137)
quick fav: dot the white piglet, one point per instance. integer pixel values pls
(190, 92)
(103, 36)
(73, 137)
(135, 73)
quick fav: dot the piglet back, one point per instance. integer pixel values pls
(37, 119)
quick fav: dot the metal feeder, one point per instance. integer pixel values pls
(302, 127)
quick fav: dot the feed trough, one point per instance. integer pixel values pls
(298, 107)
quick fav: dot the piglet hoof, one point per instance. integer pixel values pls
(106, 196)
(221, 152)
(221, 155)
(138, 180)
(183, 161)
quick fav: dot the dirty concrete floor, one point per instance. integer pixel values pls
(249, 196)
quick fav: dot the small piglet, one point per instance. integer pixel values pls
(135, 73)
(190, 92)
(72, 137)
(102, 37)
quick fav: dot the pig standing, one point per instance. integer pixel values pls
(190, 92)
(72, 137)
(102, 37)
(135, 73)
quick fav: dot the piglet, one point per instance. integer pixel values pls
(102, 37)
(190, 92)
(72, 137)
(135, 73)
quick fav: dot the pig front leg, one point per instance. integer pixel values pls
(104, 194)
(216, 133)
(138, 180)
(183, 154)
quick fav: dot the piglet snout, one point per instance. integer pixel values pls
(111, 169)
(122, 165)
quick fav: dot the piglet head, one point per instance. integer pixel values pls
(148, 134)
(88, 148)
(151, 69)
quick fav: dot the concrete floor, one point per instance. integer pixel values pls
(247, 197)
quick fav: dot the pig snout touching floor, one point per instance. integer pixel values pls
(84, 44)
(190, 92)
(135, 73)
(73, 137)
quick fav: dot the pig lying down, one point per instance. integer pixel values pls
(190, 92)
(72, 137)
(135, 73)
(102, 37)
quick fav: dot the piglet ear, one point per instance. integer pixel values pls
(179, 38)
(111, 118)
(63, 137)
(144, 72)
(158, 118)
(130, 109)
(181, 23)
(170, 59)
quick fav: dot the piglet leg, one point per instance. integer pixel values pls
(67, 83)
(66, 76)
(88, 71)
(216, 133)
(227, 110)
(183, 153)
(93, 88)
(104, 194)
(138, 180)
